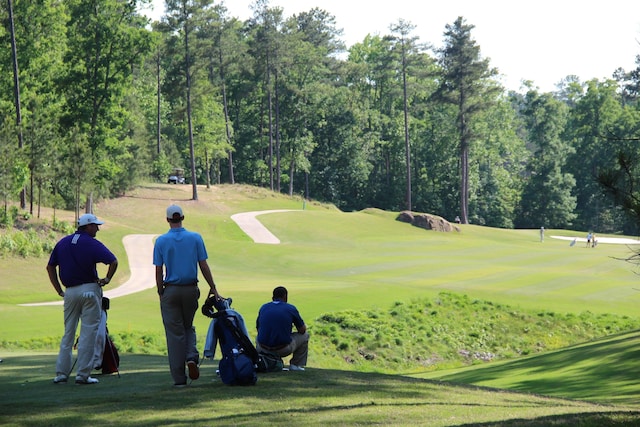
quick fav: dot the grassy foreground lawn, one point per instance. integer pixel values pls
(330, 261)
(141, 397)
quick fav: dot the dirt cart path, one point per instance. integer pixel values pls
(139, 249)
(248, 223)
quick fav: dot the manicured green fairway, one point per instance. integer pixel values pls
(330, 261)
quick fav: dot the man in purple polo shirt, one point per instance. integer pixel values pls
(76, 256)
(177, 255)
(274, 324)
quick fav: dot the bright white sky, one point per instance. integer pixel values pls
(542, 40)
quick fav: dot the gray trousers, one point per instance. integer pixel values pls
(101, 341)
(178, 306)
(298, 348)
(81, 304)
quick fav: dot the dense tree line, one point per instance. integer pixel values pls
(107, 100)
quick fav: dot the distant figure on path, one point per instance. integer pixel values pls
(542, 234)
(589, 237)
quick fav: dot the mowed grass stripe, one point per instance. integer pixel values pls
(475, 260)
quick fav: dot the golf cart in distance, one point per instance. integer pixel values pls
(176, 177)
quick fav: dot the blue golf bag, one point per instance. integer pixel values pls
(239, 357)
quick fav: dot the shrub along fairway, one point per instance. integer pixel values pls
(335, 263)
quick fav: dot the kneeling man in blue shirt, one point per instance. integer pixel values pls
(274, 324)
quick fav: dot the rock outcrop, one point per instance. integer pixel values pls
(427, 221)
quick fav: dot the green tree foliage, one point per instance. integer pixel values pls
(209, 133)
(40, 132)
(310, 37)
(106, 40)
(620, 179)
(341, 157)
(78, 165)
(267, 45)
(547, 198)
(40, 44)
(275, 101)
(500, 156)
(590, 120)
(223, 51)
(183, 21)
(376, 76)
(13, 165)
(436, 162)
(405, 45)
(466, 83)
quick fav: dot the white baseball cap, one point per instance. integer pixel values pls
(87, 219)
(174, 209)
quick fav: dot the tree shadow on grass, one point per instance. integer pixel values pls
(143, 395)
(605, 371)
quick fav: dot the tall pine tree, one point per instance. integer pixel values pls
(466, 83)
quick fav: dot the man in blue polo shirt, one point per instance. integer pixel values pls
(181, 252)
(76, 257)
(274, 324)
